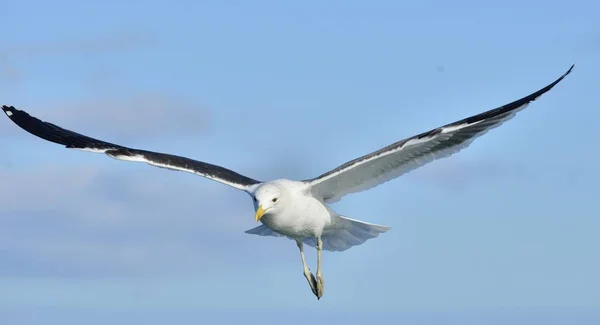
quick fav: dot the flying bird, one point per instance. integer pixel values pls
(299, 210)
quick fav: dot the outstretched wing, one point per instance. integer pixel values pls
(73, 140)
(403, 156)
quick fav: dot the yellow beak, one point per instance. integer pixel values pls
(259, 213)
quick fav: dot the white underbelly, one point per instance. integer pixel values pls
(304, 218)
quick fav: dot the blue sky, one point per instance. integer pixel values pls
(504, 232)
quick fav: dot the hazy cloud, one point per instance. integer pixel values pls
(117, 42)
(138, 116)
(143, 114)
(88, 221)
(8, 71)
(124, 41)
(456, 173)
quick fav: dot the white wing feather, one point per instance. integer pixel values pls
(406, 155)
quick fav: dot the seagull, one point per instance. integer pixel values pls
(299, 210)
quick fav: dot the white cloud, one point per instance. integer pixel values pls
(94, 45)
(92, 221)
(456, 172)
(116, 42)
(144, 115)
(8, 72)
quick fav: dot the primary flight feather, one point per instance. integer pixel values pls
(299, 209)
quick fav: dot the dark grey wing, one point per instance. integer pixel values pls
(403, 156)
(73, 140)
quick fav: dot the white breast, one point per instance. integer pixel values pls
(300, 216)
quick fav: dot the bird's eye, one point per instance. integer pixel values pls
(274, 200)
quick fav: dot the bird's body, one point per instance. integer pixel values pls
(299, 215)
(299, 209)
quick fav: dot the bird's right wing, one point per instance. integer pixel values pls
(73, 140)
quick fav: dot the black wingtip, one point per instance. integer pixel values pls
(9, 110)
(570, 69)
(550, 86)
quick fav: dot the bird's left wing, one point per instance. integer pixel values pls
(403, 156)
(73, 140)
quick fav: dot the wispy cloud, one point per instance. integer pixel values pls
(86, 221)
(13, 54)
(122, 41)
(8, 71)
(457, 172)
(144, 115)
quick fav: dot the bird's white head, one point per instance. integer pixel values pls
(267, 199)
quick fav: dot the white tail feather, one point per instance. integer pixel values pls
(342, 234)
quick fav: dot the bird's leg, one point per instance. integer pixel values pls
(320, 281)
(307, 274)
